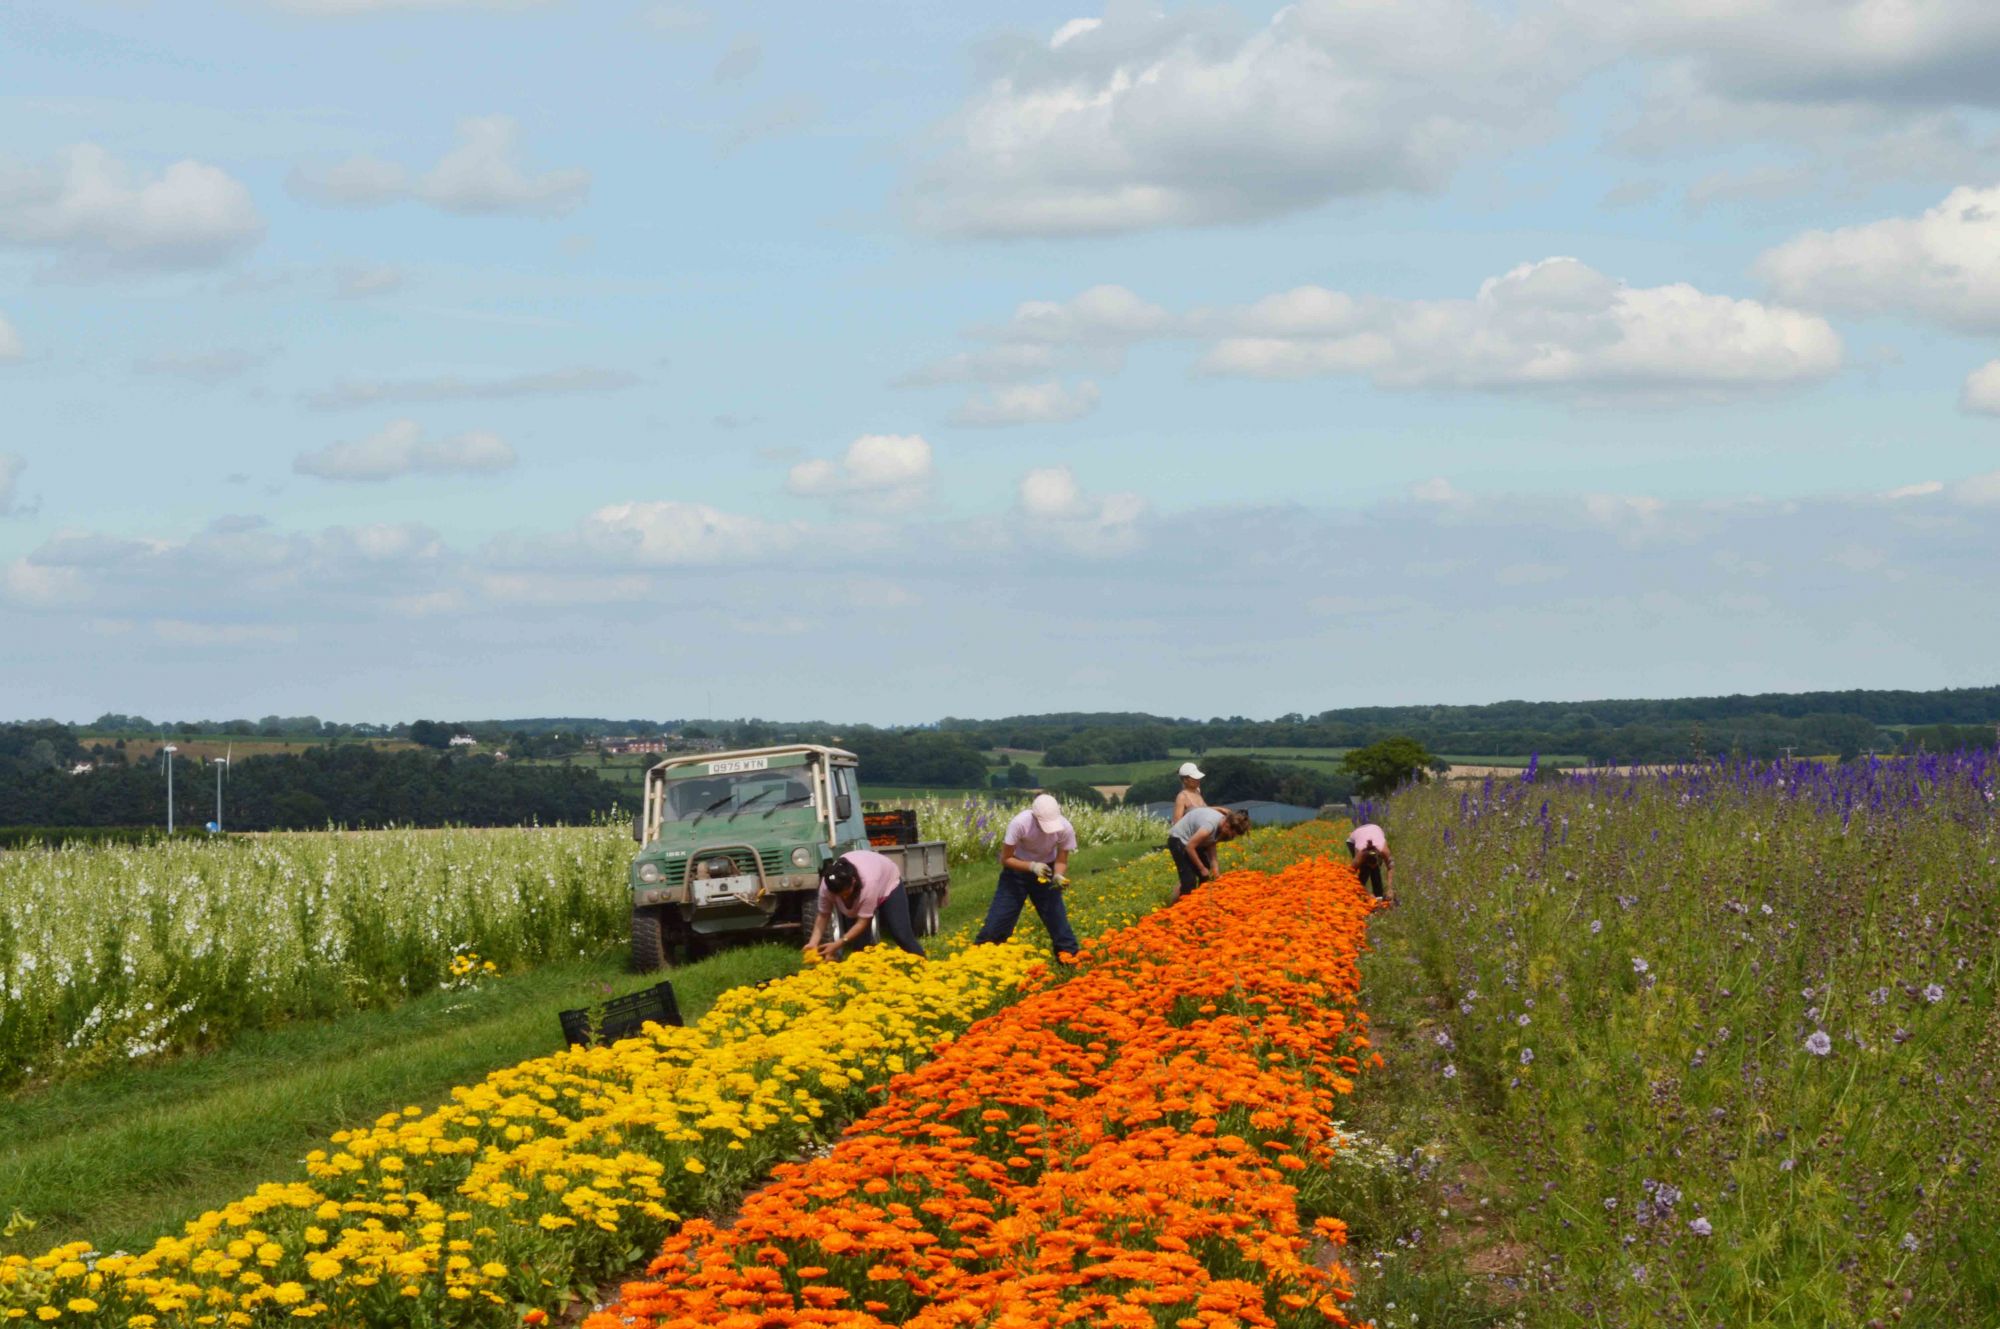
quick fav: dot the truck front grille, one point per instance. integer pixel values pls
(774, 860)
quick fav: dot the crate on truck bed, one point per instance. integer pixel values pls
(891, 826)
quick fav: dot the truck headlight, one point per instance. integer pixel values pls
(649, 872)
(802, 857)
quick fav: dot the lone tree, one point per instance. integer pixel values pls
(1381, 767)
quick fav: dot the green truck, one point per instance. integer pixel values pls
(731, 843)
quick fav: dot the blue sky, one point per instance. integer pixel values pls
(379, 358)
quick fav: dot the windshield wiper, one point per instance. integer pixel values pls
(712, 807)
(791, 802)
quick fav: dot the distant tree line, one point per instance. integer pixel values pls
(348, 785)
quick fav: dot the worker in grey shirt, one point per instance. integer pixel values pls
(1192, 841)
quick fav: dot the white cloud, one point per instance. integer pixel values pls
(1832, 52)
(1100, 316)
(264, 577)
(885, 470)
(1058, 509)
(1146, 118)
(1943, 266)
(357, 393)
(401, 449)
(1921, 489)
(1981, 393)
(1554, 325)
(10, 341)
(1028, 404)
(11, 466)
(481, 174)
(666, 533)
(101, 214)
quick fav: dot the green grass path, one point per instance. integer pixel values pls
(128, 1155)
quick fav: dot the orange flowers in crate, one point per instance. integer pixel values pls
(1127, 1148)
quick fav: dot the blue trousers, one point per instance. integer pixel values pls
(1016, 889)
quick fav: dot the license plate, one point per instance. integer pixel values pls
(739, 764)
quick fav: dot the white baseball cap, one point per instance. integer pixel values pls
(1190, 771)
(1048, 812)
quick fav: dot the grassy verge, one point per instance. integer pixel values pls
(1427, 1226)
(125, 1156)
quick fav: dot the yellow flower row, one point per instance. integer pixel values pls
(533, 1182)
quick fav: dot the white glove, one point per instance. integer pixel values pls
(1039, 869)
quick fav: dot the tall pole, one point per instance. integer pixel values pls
(220, 766)
(169, 750)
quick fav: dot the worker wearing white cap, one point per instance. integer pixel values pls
(1189, 798)
(1034, 868)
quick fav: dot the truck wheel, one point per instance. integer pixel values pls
(931, 918)
(651, 944)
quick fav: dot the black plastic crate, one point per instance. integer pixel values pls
(892, 827)
(622, 1017)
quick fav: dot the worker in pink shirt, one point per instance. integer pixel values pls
(1034, 869)
(856, 889)
(1368, 850)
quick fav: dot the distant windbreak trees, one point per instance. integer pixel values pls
(351, 786)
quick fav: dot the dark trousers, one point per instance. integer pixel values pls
(893, 918)
(1371, 877)
(1184, 864)
(1017, 888)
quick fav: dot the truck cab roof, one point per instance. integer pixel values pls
(838, 756)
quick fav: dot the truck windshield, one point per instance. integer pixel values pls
(734, 795)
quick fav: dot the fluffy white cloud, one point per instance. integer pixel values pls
(1100, 316)
(10, 341)
(11, 466)
(1981, 392)
(1058, 509)
(1147, 118)
(886, 470)
(101, 214)
(1557, 325)
(355, 393)
(1028, 404)
(481, 174)
(259, 574)
(666, 533)
(1929, 52)
(401, 449)
(1943, 265)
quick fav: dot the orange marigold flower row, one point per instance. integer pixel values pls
(1126, 1148)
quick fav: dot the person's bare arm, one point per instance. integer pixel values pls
(1027, 865)
(1201, 852)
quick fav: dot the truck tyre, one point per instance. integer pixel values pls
(927, 916)
(808, 914)
(651, 943)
